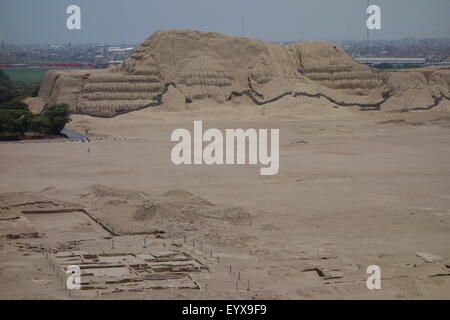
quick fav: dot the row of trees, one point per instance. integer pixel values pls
(15, 118)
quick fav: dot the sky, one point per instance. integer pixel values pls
(132, 21)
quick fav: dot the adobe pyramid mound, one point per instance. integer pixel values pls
(205, 65)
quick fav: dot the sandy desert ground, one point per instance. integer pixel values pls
(354, 189)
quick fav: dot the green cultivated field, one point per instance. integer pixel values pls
(25, 74)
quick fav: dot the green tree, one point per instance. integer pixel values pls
(13, 105)
(4, 80)
(5, 122)
(58, 115)
(15, 122)
(5, 94)
(39, 125)
(21, 121)
(35, 90)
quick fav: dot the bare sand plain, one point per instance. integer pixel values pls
(354, 189)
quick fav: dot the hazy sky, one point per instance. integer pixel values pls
(44, 21)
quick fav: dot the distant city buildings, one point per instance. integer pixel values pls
(64, 55)
(406, 51)
(395, 52)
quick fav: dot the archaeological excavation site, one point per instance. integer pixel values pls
(138, 244)
(363, 179)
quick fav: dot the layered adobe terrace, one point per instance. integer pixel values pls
(215, 67)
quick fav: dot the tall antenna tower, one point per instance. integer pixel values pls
(367, 29)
